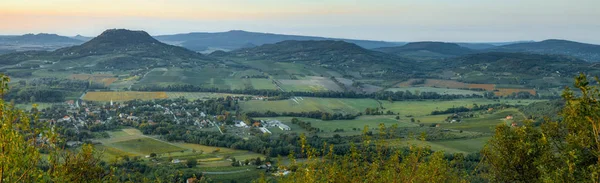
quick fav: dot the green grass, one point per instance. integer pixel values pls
(486, 122)
(146, 146)
(444, 91)
(347, 125)
(28, 106)
(348, 106)
(353, 106)
(464, 146)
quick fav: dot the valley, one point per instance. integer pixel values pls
(236, 115)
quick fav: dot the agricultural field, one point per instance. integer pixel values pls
(508, 91)
(132, 142)
(464, 146)
(349, 126)
(309, 84)
(306, 104)
(443, 91)
(123, 96)
(105, 79)
(353, 106)
(198, 95)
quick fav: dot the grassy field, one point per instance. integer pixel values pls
(28, 106)
(449, 146)
(123, 96)
(199, 95)
(132, 142)
(445, 91)
(353, 106)
(346, 125)
(146, 146)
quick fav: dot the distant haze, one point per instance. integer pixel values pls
(389, 20)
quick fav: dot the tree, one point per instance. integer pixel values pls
(152, 155)
(23, 137)
(190, 163)
(559, 151)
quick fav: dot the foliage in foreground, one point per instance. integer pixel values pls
(22, 141)
(558, 151)
(374, 162)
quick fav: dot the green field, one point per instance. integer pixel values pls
(199, 95)
(444, 91)
(353, 106)
(465, 146)
(146, 146)
(347, 125)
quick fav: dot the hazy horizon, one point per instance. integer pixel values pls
(386, 20)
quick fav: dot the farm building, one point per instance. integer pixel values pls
(284, 127)
(264, 130)
(240, 124)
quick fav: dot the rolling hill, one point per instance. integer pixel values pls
(536, 70)
(584, 51)
(115, 49)
(335, 55)
(236, 39)
(427, 50)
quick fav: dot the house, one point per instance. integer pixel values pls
(256, 124)
(176, 161)
(70, 102)
(240, 124)
(509, 117)
(132, 118)
(514, 124)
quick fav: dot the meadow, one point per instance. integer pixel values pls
(132, 142)
(123, 96)
(353, 106)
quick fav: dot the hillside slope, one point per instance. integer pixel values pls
(237, 39)
(584, 51)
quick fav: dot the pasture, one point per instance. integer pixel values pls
(353, 106)
(443, 91)
(349, 126)
(132, 142)
(123, 96)
(198, 95)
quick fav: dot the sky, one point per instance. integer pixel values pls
(388, 20)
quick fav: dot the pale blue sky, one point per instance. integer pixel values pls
(390, 20)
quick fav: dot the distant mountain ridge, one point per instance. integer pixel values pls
(41, 38)
(584, 51)
(437, 47)
(237, 39)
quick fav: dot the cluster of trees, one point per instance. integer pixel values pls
(32, 95)
(384, 95)
(305, 125)
(376, 111)
(454, 110)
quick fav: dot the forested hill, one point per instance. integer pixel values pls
(584, 51)
(332, 54)
(116, 41)
(450, 49)
(236, 39)
(525, 63)
(115, 49)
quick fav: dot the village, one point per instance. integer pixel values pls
(85, 119)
